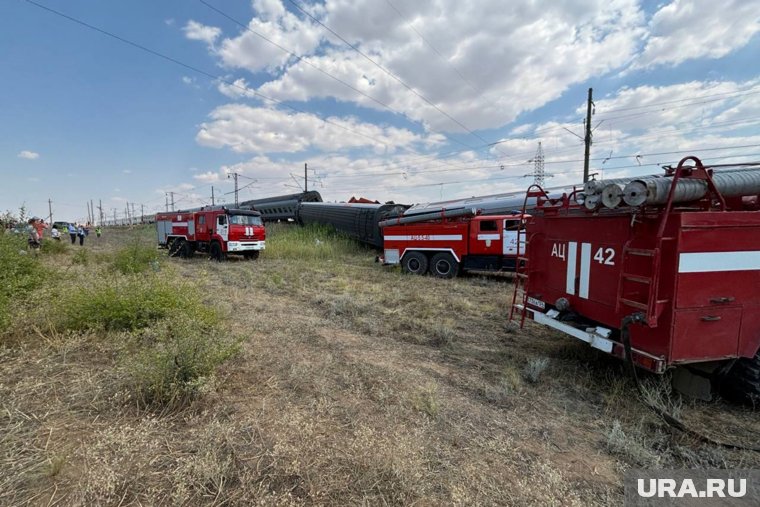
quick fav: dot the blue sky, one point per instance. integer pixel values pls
(89, 117)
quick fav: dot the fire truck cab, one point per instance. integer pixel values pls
(216, 230)
(444, 247)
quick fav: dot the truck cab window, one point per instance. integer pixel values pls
(221, 220)
(202, 220)
(511, 225)
(488, 225)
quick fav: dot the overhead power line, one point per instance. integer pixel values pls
(749, 91)
(433, 48)
(301, 59)
(386, 71)
(199, 71)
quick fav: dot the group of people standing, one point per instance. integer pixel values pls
(37, 228)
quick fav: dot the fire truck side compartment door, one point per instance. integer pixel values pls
(222, 227)
(164, 228)
(705, 333)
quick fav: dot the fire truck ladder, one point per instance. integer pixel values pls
(522, 268)
(652, 305)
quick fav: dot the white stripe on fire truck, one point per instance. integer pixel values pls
(572, 250)
(585, 270)
(179, 224)
(484, 237)
(705, 262)
(426, 237)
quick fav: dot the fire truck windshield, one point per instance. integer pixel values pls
(245, 220)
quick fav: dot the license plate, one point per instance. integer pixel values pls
(537, 303)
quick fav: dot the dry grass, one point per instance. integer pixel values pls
(355, 385)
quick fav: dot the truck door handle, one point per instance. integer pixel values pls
(710, 318)
(723, 300)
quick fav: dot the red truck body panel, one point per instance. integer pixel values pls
(707, 304)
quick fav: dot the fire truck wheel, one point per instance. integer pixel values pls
(251, 256)
(415, 263)
(216, 252)
(742, 383)
(174, 247)
(183, 249)
(443, 265)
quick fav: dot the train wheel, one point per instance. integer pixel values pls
(742, 382)
(216, 252)
(443, 265)
(415, 263)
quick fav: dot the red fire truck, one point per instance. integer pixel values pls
(445, 242)
(661, 285)
(216, 230)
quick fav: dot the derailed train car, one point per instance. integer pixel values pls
(281, 207)
(357, 220)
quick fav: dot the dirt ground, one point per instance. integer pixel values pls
(356, 385)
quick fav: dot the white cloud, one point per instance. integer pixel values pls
(576, 40)
(127, 171)
(207, 177)
(247, 129)
(197, 31)
(28, 155)
(684, 30)
(251, 52)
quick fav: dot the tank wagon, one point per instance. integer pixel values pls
(668, 282)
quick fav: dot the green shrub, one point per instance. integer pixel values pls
(290, 241)
(119, 303)
(81, 257)
(135, 258)
(176, 360)
(53, 247)
(20, 272)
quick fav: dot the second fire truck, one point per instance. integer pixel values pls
(446, 242)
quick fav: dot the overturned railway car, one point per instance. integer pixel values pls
(358, 221)
(281, 207)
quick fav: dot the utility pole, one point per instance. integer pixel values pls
(212, 195)
(100, 210)
(166, 194)
(305, 177)
(235, 177)
(114, 216)
(133, 212)
(126, 214)
(587, 137)
(50, 210)
(172, 194)
(92, 210)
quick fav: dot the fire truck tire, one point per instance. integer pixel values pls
(184, 250)
(216, 252)
(443, 265)
(415, 263)
(174, 246)
(251, 256)
(742, 382)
